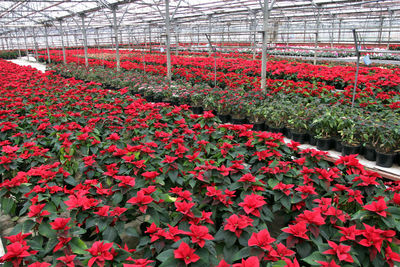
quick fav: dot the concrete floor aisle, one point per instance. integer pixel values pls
(23, 61)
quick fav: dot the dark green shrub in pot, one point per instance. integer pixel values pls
(325, 125)
(387, 140)
(297, 118)
(255, 113)
(275, 116)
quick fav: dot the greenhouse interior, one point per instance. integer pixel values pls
(208, 133)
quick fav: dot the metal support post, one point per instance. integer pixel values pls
(47, 44)
(150, 37)
(229, 32)
(209, 31)
(35, 44)
(111, 36)
(215, 59)
(250, 29)
(358, 66)
(223, 34)
(11, 42)
(340, 30)
(390, 28)
(115, 25)
(130, 32)
(254, 26)
(62, 42)
(74, 42)
(316, 36)
(67, 38)
(287, 32)
(96, 41)
(84, 40)
(380, 30)
(264, 45)
(177, 40)
(332, 26)
(26, 44)
(167, 25)
(6, 41)
(143, 43)
(18, 46)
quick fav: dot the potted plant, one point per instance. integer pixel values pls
(297, 122)
(369, 138)
(324, 128)
(350, 137)
(386, 146)
(255, 115)
(342, 121)
(238, 112)
(166, 95)
(274, 117)
(223, 110)
(196, 100)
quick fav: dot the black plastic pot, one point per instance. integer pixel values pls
(369, 153)
(397, 159)
(302, 138)
(258, 126)
(158, 99)
(197, 110)
(338, 145)
(324, 143)
(149, 98)
(170, 101)
(312, 141)
(224, 118)
(385, 160)
(287, 132)
(350, 150)
(239, 120)
(134, 92)
(275, 130)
